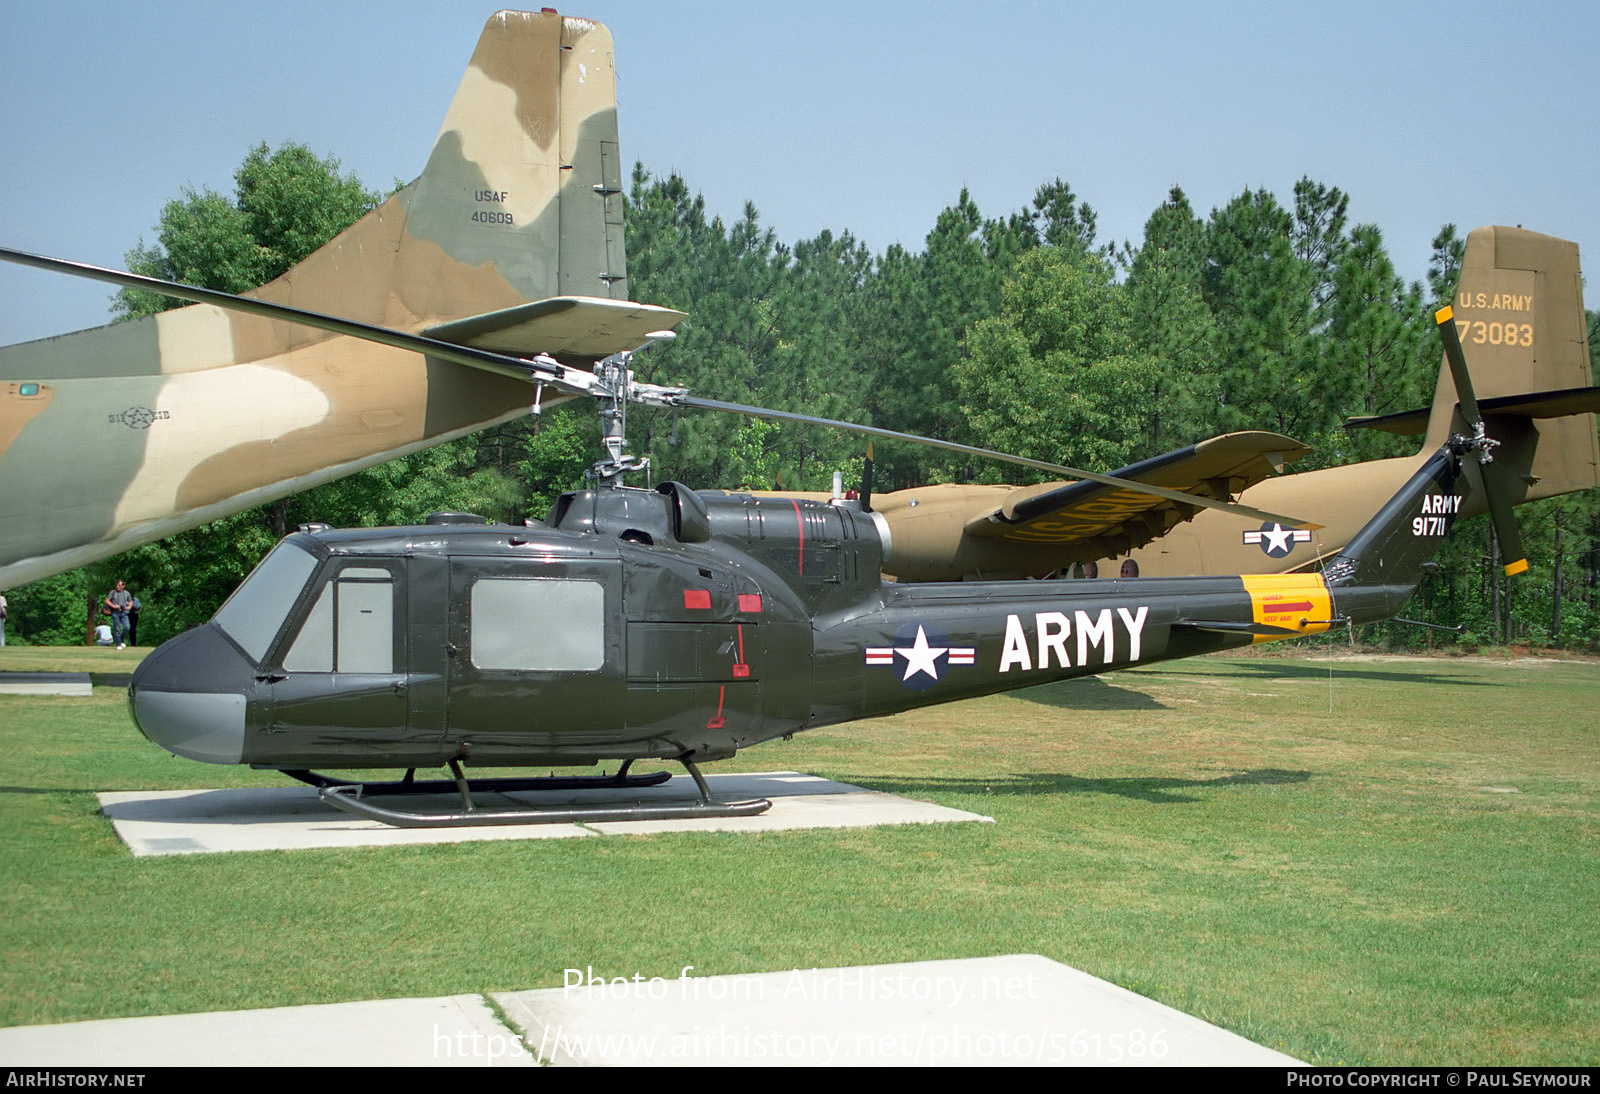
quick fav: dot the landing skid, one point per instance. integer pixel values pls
(351, 798)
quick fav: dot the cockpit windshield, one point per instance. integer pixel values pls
(255, 611)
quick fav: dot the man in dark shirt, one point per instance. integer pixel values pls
(119, 600)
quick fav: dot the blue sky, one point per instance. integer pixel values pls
(868, 116)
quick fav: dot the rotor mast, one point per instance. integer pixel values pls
(615, 387)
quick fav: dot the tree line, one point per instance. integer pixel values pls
(1022, 332)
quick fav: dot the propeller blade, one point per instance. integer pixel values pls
(1497, 479)
(1038, 465)
(1496, 476)
(542, 369)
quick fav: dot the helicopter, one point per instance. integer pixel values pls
(666, 624)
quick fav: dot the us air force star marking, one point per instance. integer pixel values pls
(926, 664)
(921, 657)
(1276, 540)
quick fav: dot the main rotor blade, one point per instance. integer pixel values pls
(987, 453)
(1496, 476)
(575, 380)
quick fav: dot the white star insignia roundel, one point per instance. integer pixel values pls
(922, 657)
(1276, 540)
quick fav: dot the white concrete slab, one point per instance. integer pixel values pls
(188, 822)
(177, 822)
(46, 683)
(1015, 1010)
(451, 1031)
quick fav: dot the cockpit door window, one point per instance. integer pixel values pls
(350, 628)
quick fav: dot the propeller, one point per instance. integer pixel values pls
(612, 382)
(1496, 476)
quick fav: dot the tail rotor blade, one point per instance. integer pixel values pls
(1496, 483)
(1496, 476)
(1459, 375)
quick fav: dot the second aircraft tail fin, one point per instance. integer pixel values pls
(1519, 313)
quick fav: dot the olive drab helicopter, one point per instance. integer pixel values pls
(664, 624)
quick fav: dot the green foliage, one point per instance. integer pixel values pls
(1444, 267)
(1263, 296)
(51, 612)
(182, 579)
(1381, 354)
(1174, 325)
(286, 204)
(768, 324)
(557, 449)
(1058, 374)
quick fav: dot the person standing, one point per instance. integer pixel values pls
(2, 619)
(119, 600)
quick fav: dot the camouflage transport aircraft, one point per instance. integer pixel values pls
(1519, 311)
(511, 240)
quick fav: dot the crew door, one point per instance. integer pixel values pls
(339, 692)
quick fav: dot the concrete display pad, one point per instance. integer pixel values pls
(1021, 1010)
(46, 683)
(450, 1031)
(179, 822)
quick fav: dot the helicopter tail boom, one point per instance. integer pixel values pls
(1408, 531)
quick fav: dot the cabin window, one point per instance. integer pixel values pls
(255, 611)
(350, 628)
(537, 625)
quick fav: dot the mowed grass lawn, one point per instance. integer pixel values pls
(1358, 860)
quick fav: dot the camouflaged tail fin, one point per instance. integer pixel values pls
(520, 201)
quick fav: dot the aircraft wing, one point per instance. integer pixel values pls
(1120, 520)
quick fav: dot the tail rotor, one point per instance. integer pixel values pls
(1496, 476)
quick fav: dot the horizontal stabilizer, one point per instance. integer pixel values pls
(565, 327)
(1534, 404)
(1218, 468)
